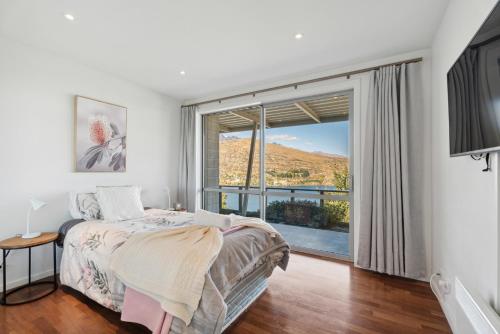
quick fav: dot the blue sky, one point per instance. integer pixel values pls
(325, 137)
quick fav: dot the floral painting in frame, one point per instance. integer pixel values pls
(101, 136)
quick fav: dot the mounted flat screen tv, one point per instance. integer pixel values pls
(474, 92)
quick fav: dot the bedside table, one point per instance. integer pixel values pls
(20, 243)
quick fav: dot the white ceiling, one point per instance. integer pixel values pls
(221, 44)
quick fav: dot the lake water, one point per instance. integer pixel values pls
(253, 200)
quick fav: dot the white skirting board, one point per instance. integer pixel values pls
(24, 280)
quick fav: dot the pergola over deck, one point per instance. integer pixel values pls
(308, 111)
(323, 109)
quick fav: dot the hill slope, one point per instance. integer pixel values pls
(284, 165)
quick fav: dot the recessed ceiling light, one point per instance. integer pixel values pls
(299, 36)
(182, 72)
(69, 17)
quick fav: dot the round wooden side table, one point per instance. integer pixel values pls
(20, 243)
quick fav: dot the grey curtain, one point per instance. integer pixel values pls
(187, 164)
(391, 229)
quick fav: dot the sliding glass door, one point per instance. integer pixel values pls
(301, 184)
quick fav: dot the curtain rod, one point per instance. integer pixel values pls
(305, 82)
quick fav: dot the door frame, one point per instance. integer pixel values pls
(262, 193)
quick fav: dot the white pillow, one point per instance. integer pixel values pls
(120, 203)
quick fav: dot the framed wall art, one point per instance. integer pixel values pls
(100, 136)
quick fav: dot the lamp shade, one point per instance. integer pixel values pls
(37, 204)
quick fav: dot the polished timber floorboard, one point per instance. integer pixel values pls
(314, 296)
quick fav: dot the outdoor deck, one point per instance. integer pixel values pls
(321, 240)
(319, 236)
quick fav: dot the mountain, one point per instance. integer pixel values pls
(227, 137)
(285, 166)
(329, 154)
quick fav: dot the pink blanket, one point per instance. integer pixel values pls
(144, 310)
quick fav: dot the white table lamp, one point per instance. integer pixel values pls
(35, 205)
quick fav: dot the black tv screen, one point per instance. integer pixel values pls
(474, 92)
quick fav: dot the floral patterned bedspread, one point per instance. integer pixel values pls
(89, 245)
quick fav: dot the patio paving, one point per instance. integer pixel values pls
(321, 240)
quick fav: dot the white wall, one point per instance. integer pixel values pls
(36, 142)
(465, 200)
(359, 84)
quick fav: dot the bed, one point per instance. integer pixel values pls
(236, 279)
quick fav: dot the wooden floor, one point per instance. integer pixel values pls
(314, 296)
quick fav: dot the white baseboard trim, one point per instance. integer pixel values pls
(24, 280)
